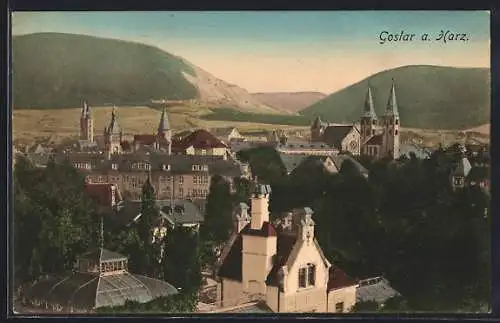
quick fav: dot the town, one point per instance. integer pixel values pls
(349, 219)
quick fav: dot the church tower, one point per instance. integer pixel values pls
(86, 123)
(391, 126)
(164, 131)
(369, 122)
(113, 135)
(317, 129)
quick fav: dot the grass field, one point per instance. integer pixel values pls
(54, 125)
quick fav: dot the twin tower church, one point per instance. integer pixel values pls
(113, 141)
(376, 136)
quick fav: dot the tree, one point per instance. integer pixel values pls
(49, 204)
(145, 225)
(181, 262)
(218, 216)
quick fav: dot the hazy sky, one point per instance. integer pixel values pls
(285, 51)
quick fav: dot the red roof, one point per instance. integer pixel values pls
(102, 193)
(375, 140)
(339, 279)
(200, 139)
(145, 139)
(267, 230)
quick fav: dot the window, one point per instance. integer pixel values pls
(373, 132)
(397, 121)
(396, 132)
(195, 167)
(114, 166)
(339, 307)
(311, 274)
(204, 179)
(165, 167)
(181, 179)
(302, 277)
(203, 152)
(374, 121)
(458, 180)
(181, 192)
(204, 167)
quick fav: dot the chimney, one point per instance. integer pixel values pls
(260, 206)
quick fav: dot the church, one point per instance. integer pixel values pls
(373, 136)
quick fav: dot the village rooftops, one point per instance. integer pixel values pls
(175, 212)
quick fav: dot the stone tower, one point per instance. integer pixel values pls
(86, 123)
(317, 129)
(164, 131)
(369, 122)
(259, 243)
(391, 126)
(113, 135)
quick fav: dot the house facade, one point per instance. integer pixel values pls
(283, 267)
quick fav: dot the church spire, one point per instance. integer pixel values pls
(84, 109)
(369, 110)
(88, 112)
(163, 126)
(114, 128)
(392, 105)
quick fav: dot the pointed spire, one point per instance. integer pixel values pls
(88, 113)
(163, 126)
(84, 108)
(114, 128)
(369, 110)
(392, 104)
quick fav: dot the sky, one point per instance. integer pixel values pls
(267, 51)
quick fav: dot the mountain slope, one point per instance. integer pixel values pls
(431, 97)
(289, 101)
(54, 70)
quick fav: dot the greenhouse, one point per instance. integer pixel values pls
(99, 279)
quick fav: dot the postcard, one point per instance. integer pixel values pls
(251, 162)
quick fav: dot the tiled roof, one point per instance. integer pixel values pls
(375, 289)
(176, 211)
(231, 267)
(337, 279)
(334, 135)
(375, 140)
(463, 167)
(201, 139)
(102, 193)
(103, 255)
(145, 139)
(284, 246)
(291, 161)
(267, 230)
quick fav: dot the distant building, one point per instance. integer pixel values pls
(284, 269)
(375, 289)
(306, 165)
(171, 213)
(377, 138)
(106, 195)
(99, 279)
(227, 135)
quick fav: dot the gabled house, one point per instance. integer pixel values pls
(283, 268)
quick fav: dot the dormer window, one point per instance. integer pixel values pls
(204, 167)
(195, 167)
(165, 167)
(114, 166)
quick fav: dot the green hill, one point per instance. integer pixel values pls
(430, 97)
(53, 70)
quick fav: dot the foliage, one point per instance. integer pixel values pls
(429, 97)
(229, 114)
(404, 222)
(181, 264)
(178, 303)
(53, 70)
(218, 216)
(49, 205)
